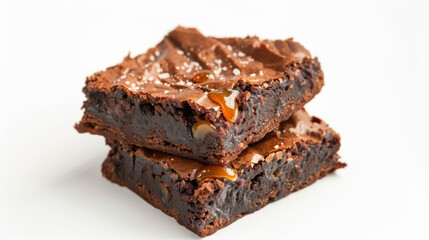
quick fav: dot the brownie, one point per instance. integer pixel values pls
(198, 97)
(205, 198)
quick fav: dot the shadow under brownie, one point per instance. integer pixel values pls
(302, 150)
(237, 89)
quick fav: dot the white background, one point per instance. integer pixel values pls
(375, 56)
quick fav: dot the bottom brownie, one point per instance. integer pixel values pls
(207, 198)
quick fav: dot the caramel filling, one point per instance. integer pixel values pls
(201, 128)
(227, 101)
(214, 171)
(276, 174)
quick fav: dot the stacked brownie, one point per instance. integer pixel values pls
(211, 129)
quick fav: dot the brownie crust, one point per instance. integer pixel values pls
(283, 162)
(162, 119)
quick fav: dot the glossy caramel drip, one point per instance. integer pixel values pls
(201, 128)
(203, 76)
(276, 174)
(214, 171)
(227, 101)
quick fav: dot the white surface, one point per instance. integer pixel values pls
(375, 57)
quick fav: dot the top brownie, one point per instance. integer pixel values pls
(199, 97)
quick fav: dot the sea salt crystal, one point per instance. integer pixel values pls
(217, 71)
(164, 75)
(236, 71)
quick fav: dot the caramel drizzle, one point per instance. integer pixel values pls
(227, 99)
(214, 171)
(201, 128)
(203, 76)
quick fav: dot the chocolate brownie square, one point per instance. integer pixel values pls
(198, 97)
(205, 198)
